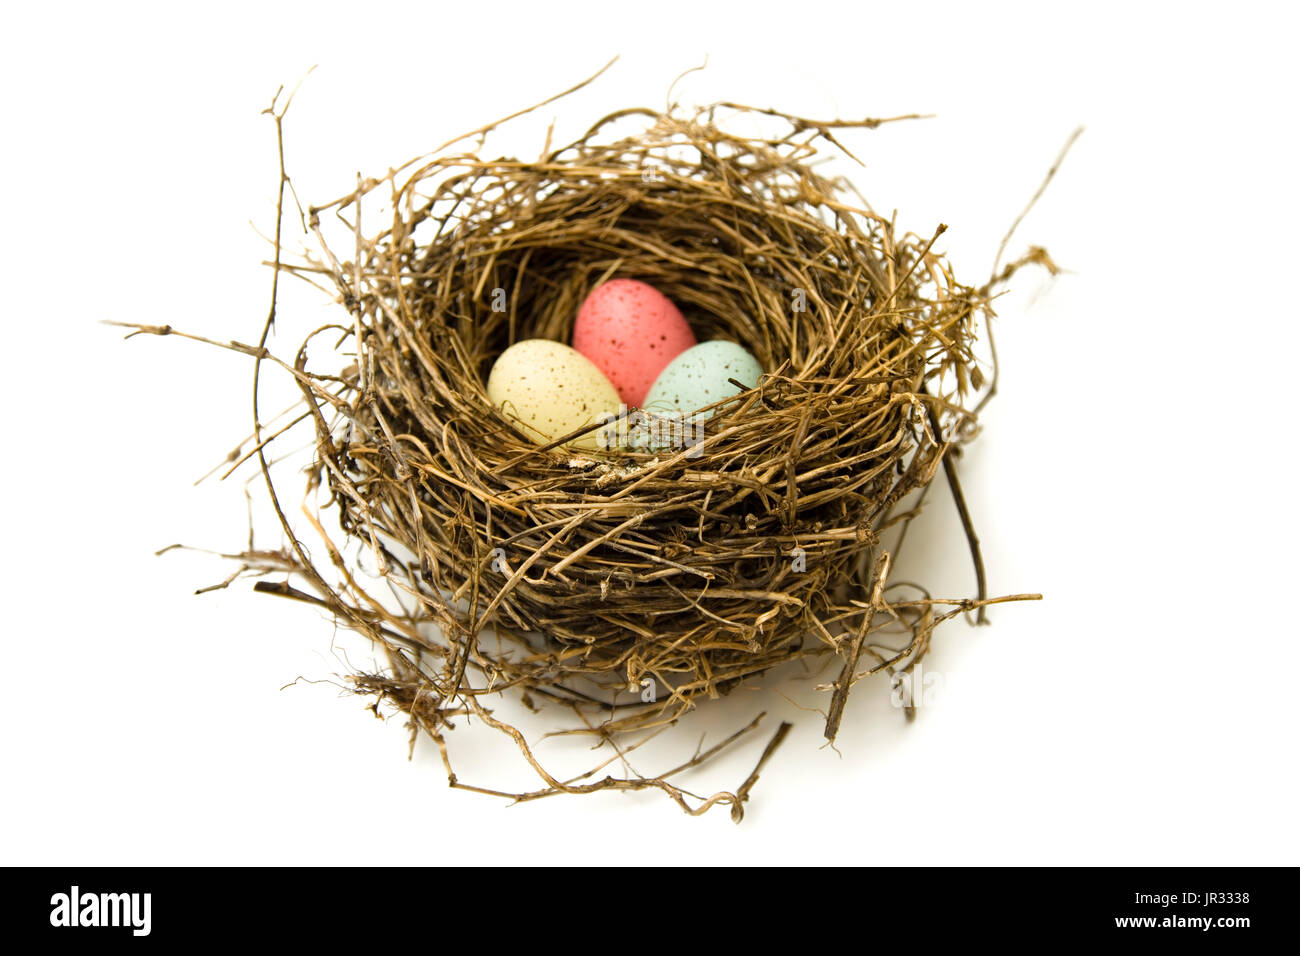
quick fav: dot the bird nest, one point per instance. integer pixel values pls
(628, 587)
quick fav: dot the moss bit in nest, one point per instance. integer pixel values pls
(627, 588)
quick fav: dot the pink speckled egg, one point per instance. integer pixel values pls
(630, 331)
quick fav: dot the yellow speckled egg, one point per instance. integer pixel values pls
(548, 390)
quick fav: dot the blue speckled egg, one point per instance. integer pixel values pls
(699, 377)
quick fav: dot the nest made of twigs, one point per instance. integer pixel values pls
(624, 584)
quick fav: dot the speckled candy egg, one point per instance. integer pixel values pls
(631, 331)
(700, 376)
(548, 390)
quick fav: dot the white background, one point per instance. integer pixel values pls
(1136, 467)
